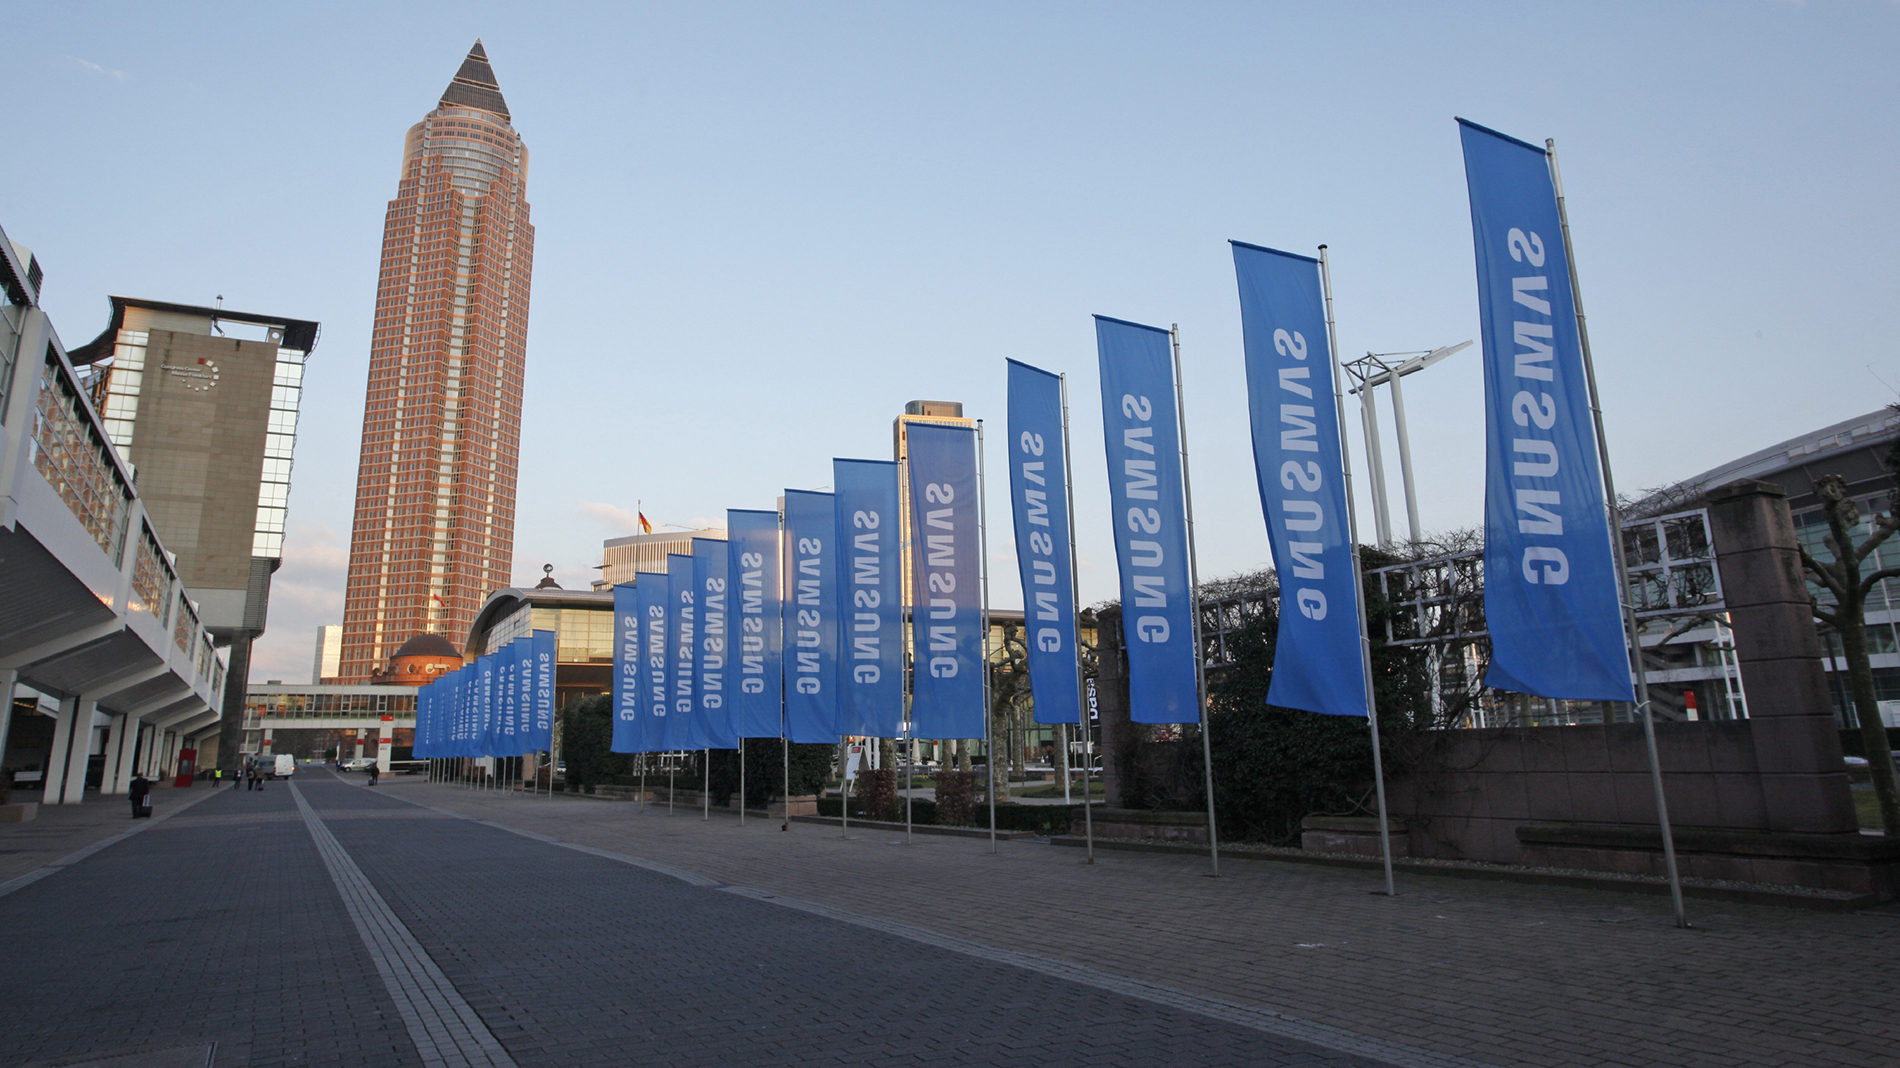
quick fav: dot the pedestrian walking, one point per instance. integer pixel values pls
(373, 769)
(141, 794)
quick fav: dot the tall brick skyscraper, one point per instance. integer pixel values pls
(435, 489)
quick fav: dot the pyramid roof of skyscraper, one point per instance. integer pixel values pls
(475, 85)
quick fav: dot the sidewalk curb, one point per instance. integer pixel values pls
(1819, 901)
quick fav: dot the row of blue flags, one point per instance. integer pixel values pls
(499, 704)
(793, 627)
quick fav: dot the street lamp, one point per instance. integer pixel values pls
(1377, 369)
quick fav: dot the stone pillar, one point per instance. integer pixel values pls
(1797, 744)
(385, 733)
(117, 773)
(75, 718)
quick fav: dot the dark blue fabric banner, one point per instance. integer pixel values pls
(1039, 504)
(752, 558)
(710, 681)
(629, 665)
(507, 698)
(655, 695)
(524, 692)
(870, 600)
(1550, 591)
(485, 705)
(1145, 491)
(424, 723)
(682, 720)
(1302, 476)
(541, 735)
(469, 742)
(811, 617)
(946, 583)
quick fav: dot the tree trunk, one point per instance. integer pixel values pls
(1860, 675)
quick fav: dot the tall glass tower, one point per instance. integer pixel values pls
(433, 531)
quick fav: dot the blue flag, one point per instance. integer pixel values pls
(541, 735)
(507, 694)
(811, 617)
(709, 684)
(870, 599)
(468, 744)
(682, 720)
(752, 559)
(1550, 590)
(485, 705)
(655, 694)
(1297, 461)
(946, 584)
(419, 749)
(629, 659)
(524, 693)
(1145, 492)
(1039, 503)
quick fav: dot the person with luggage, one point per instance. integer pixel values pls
(140, 792)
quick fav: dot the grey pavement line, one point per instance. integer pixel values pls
(447, 1031)
(1267, 1021)
(82, 853)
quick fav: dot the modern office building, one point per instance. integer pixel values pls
(308, 721)
(583, 625)
(433, 529)
(327, 664)
(203, 403)
(623, 558)
(1856, 449)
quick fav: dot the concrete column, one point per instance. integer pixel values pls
(8, 679)
(54, 780)
(384, 733)
(267, 745)
(118, 753)
(77, 757)
(1797, 744)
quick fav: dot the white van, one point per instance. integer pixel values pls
(281, 766)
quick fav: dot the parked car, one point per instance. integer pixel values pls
(359, 763)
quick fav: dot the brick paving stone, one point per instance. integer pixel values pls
(206, 928)
(1495, 972)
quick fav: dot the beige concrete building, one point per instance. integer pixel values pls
(202, 403)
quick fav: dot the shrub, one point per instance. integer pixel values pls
(765, 770)
(956, 797)
(587, 735)
(877, 793)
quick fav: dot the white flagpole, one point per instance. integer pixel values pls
(1616, 543)
(844, 790)
(672, 772)
(1358, 578)
(1075, 590)
(983, 554)
(1194, 603)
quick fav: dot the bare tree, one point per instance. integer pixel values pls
(1842, 577)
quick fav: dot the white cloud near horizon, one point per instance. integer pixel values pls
(90, 67)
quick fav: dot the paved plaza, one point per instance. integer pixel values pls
(325, 922)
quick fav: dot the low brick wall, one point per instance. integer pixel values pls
(1155, 826)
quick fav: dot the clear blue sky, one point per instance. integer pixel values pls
(764, 227)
